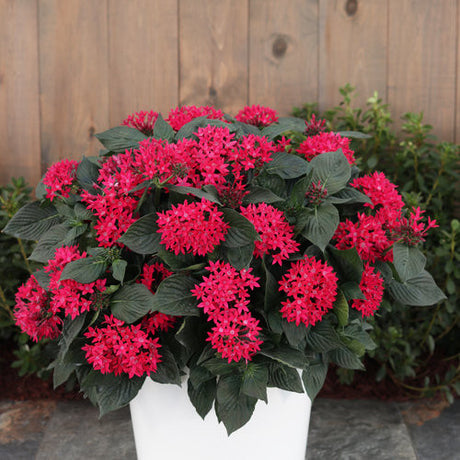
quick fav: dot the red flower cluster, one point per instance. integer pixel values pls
(192, 227)
(326, 142)
(143, 121)
(372, 287)
(316, 193)
(37, 311)
(410, 230)
(180, 116)
(311, 287)
(59, 178)
(314, 126)
(119, 348)
(277, 236)
(257, 115)
(224, 298)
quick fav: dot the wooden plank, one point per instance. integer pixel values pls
(73, 77)
(214, 53)
(352, 49)
(283, 53)
(422, 53)
(143, 50)
(19, 103)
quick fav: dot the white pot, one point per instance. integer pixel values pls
(167, 427)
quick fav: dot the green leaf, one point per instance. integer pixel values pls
(295, 335)
(190, 334)
(408, 261)
(356, 332)
(85, 270)
(254, 383)
(199, 375)
(323, 337)
(260, 195)
(43, 278)
(142, 236)
(120, 138)
(241, 231)
(202, 396)
(54, 238)
(174, 296)
(162, 129)
(313, 378)
(191, 127)
(219, 366)
(341, 309)
(349, 195)
(176, 262)
(87, 174)
(111, 392)
(284, 377)
(242, 129)
(352, 291)
(240, 257)
(346, 358)
(286, 355)
(183, 190)
(420, 290)
(354, 134)
(118, 269)
(167, 370)
(332, 170)
(233, 407)
(286, 165)
(284, 124)
(320, 224)
(346, 262)
(131, 302)
(32, 221)
(297, 195)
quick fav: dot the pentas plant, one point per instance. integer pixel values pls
(208, 248)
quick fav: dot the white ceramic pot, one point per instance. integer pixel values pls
(167, 427)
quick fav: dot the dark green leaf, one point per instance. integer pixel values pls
(120, 138)
(351, 290)
(296, 335)
(346, 262)
(332, 170)
(32, 221)
(199, 375)
(241, 231)
(195, 192)
(313, 378)
(142, 236)
(242, 129)
(84, 270)
(131, 302)
(346, 358)
(190, 334)
(43, 278)
(240, 257)
(174, 296)
(408, 261)
(349, 195)
(341, 309)
(285, 377)
(202, 396)
(219, 366)
(320, 224)
(260, 195)
(354, 134)
(48, 243)
(233, 407)
(200, 122)
(287, 166)
(87, 174)
(162, 130)
(254, 381)
(118, 269)
(167, 370)
(323, 337)
(284, 124)
(420, 290)
(286, 355)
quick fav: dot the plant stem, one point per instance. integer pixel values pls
(4, 303)
(24, 255)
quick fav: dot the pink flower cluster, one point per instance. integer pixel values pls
(197, 227)
(277, 236)
(326, 142)
(143, 121)
(311, 287)
(59, 179)
(120, 348)
(314, 126)
(37, 311)
(372, 287)
(257, 115)
(180, 116)
(316, 193)
(224, 297)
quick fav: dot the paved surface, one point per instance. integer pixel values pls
(339, 430)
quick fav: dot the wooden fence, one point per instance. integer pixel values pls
(71, 68)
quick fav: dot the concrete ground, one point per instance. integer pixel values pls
(339, 429)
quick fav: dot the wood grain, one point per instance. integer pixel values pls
(352, 49)
(73, 77)
(422, 53)
(283, 53)
(19, 110)
(214, 53)
(143, 50)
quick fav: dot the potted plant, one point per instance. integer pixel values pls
(209, 251)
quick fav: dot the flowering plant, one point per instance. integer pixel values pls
(210, 246)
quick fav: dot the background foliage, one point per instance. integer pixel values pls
(416, 344)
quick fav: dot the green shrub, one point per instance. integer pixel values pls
(15, 268)
(417, 342)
